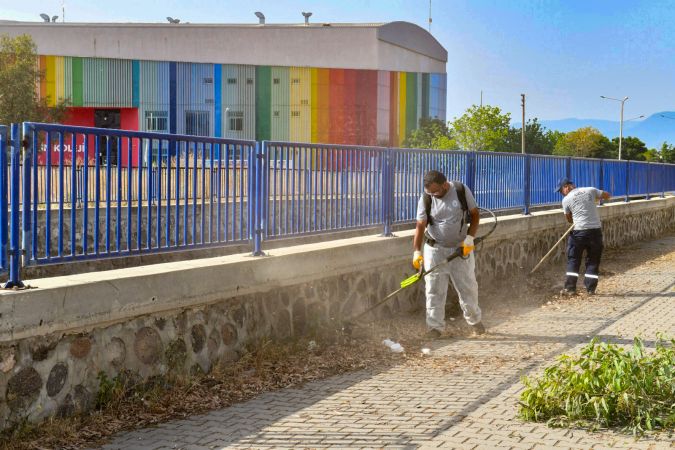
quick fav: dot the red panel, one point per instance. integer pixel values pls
(337, 121)
(351, 120)
(129, 121)
(369, 99)
(84, 117)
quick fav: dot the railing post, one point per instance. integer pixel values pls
(649, 177)
(256, 197)
(601, 177)
(4, 201)
(663, 179)
(627, 197)
(568, 167)
(26, 217)
(14, 251)
(526, 188)
(471, 172)
(387, 191)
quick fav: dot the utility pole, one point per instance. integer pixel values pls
(522, 98)
(429, 16)
(481, 98)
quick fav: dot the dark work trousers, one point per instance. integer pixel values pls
(591, 242)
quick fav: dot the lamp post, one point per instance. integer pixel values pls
(621, 122)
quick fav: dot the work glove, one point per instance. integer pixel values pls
(467, 245)
(418, 260)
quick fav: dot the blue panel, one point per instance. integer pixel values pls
(172, 97)
(217, 98)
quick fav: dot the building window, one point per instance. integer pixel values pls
(208, 101)
(249, 81)
(157, 121)
(295, 81)
(236, 120)
(208, 80)
(231, 81)
(295, 113)
(276, 81)
(275, 113)
(304, 102)
(197, 123)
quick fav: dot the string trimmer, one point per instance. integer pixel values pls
(350, 324)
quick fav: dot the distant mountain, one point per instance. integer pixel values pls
(653, 131)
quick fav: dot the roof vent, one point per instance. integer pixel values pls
(261, 17)
(307, 15)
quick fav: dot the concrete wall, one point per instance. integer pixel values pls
(184, 316)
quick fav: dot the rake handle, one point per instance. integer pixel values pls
(552, 249)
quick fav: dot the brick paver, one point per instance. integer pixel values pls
(433, 403)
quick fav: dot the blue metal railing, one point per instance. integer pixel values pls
(135, 193)
(310, 188)
(135, 207)
(4, 198)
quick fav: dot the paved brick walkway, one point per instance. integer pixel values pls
(437, 403)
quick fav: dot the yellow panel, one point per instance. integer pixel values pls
(401, 107)
(301, 112)
(50, 80)
(315, 105)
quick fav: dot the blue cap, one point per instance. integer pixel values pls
(562, 182)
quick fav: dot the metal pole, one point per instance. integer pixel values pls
(522, 96)
(621, 127)
(14, 250)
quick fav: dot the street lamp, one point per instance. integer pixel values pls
(621, 122)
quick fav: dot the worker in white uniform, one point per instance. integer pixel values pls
(447, 226)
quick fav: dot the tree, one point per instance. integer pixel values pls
(19, 75)
(482, 128)
(432, 133)
(538, 139)
(585, 142)
(631, 148)
(667, 153)
(652, 155)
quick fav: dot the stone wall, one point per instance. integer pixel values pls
(178, 318)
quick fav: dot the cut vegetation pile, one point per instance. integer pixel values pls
(606, 386)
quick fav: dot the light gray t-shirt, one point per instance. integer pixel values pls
(447, 217)
(581, 203)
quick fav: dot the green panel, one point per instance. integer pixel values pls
(410, 102)
(77, 82)
(425, 95)
(263, 105)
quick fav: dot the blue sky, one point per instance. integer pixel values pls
(562, 54)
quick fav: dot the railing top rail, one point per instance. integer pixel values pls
(138, 134)
(427, 150)
(325, 146)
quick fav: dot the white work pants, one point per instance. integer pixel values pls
(463, 275)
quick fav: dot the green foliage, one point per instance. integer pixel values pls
(432, 133)
(538, 140)
(667, 153)
(631, 148)
(606, 386)
(109, 390)
(482, 128)
(585, 142)
(19, 78)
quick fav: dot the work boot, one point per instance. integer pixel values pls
(432, 334)
(478, 328)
